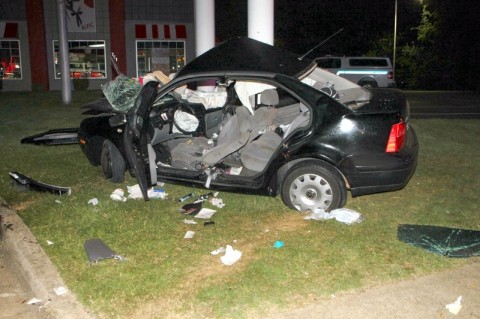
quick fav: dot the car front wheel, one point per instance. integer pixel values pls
(313, 186)
(113, 164)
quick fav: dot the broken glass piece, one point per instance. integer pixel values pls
(445, 241)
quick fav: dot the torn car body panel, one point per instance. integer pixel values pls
(61, 136)
(29, 183)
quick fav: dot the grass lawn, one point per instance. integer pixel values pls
(165, 275)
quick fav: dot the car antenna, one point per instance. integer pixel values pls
(114, 60)
(303, 56)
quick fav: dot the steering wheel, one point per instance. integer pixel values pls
(184, 108)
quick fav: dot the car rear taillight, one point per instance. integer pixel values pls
(396, 138)
(390, 75)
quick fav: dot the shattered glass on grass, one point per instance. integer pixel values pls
(445, 241)
(121, 92)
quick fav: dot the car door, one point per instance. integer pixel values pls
(138, 149)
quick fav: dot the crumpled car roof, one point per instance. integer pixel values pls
(245, 55)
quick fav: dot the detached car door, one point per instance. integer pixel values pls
(139, 152)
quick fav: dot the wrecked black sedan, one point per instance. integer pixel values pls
(246, 116)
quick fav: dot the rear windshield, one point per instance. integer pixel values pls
(368, 62)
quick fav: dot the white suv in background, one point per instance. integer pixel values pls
(365, 71)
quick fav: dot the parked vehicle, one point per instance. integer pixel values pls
(365, 71)
(269, 124)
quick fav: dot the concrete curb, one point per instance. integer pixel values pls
(37, 269)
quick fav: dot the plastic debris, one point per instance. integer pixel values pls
(278, 244)
(34, 301)
(190, 209)
(205, 213)
(157, 193)
(60, 291)
(343, 215)
(207, 196)
(189, 221)
(218, 251)
(118, 195)
(49, 242)
(231, 256)
(186, 197)
(209, 223)
(189, 234)
(455, 306)
(25, 182)
(93, 201)
(217, 202)
(97, 250)
(135, 192)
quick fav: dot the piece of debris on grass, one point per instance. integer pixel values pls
(205, 213)
(189, 234)
(135, 192)
(278, 244)
(97, 250)
(444, 241)
(190, 209)
(343, 215)
(25, 182)
(231, 256)
(118, 195)
(93, 201)
(186, 197)
(218, 251)
(217, 202)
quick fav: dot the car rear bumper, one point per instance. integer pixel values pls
(383, 176)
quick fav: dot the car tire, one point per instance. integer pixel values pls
(113, 164)
(368, 83)
(312, 186)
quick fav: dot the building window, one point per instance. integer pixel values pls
(87, 59)
(166, 56)
(10, 64)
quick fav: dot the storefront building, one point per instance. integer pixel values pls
(139, 35)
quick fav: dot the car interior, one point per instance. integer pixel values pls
(234, 127)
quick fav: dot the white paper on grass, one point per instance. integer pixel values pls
(189, 234)
(231, 256)
(205, 213)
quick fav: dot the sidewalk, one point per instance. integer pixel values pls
(28, 274)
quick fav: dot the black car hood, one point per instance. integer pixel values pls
(247, 55)
(98, 107)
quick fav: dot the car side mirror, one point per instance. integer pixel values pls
(117, 120)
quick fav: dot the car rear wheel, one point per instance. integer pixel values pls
(368, 83)
(113, 164)
(313, 186)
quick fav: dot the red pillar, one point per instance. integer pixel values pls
(37, 45)
(117, 34)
